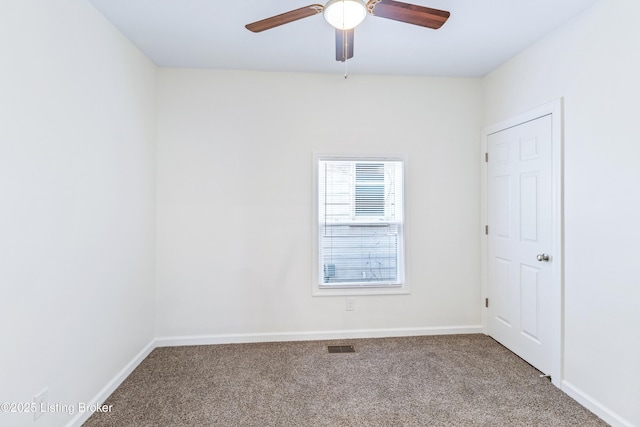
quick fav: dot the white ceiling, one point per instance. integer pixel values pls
(479, 36)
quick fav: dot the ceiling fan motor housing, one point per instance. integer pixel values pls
(345, 14)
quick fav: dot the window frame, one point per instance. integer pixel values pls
(321, 289)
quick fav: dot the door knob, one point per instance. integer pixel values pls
(543, 257)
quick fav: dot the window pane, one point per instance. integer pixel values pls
(360, 253)
(360, 222)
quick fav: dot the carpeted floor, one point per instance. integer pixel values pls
(454, 380)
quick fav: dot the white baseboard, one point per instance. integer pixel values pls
(594, 406)
(106, 391)
(312, 336)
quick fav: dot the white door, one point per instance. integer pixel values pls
(520, 240)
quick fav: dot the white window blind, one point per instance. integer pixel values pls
(360, 222)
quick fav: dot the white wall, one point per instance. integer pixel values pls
(235, 197)
(77, 203)
(594, 64)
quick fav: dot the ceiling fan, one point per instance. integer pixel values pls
(345, 15)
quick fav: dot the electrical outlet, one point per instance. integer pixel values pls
(350, 304)
(40, 403)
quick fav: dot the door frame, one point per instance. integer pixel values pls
(555, 109)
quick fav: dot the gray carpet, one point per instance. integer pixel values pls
(455, 380)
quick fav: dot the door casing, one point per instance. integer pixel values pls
(555, 109)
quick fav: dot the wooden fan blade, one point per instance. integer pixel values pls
(284, 18)
(409, 13)
(344, 44)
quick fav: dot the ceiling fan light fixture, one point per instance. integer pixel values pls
(345, 14)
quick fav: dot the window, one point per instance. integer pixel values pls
(360, 224)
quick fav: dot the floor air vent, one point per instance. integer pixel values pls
(341, 348)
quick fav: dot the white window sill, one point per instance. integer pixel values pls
(363, 290)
